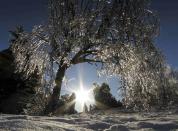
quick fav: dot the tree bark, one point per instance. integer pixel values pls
(54, 98)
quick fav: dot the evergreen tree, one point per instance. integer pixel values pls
(104, 98)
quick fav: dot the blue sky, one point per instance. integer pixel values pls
(33, 12)
(168, 39)
(20, 12)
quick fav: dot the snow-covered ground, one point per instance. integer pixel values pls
(110, 120)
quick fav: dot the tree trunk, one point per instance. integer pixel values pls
(54, 98)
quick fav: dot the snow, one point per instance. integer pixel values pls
(110, 120)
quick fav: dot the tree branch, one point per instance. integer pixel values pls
(84, 60)
(85, 53)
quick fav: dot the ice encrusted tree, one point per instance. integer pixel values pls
(117, 34)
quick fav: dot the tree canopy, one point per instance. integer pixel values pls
(116, 34)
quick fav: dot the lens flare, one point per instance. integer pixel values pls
(82, 96)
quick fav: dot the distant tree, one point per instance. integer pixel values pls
(16, 34)
(116, 34)
(85, 108)
(104, 98)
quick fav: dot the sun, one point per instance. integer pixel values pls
(82, 96)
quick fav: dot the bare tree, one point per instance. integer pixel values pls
(111, 33)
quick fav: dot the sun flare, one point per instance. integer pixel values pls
(82, 96)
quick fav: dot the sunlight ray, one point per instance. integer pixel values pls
(65, 107)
